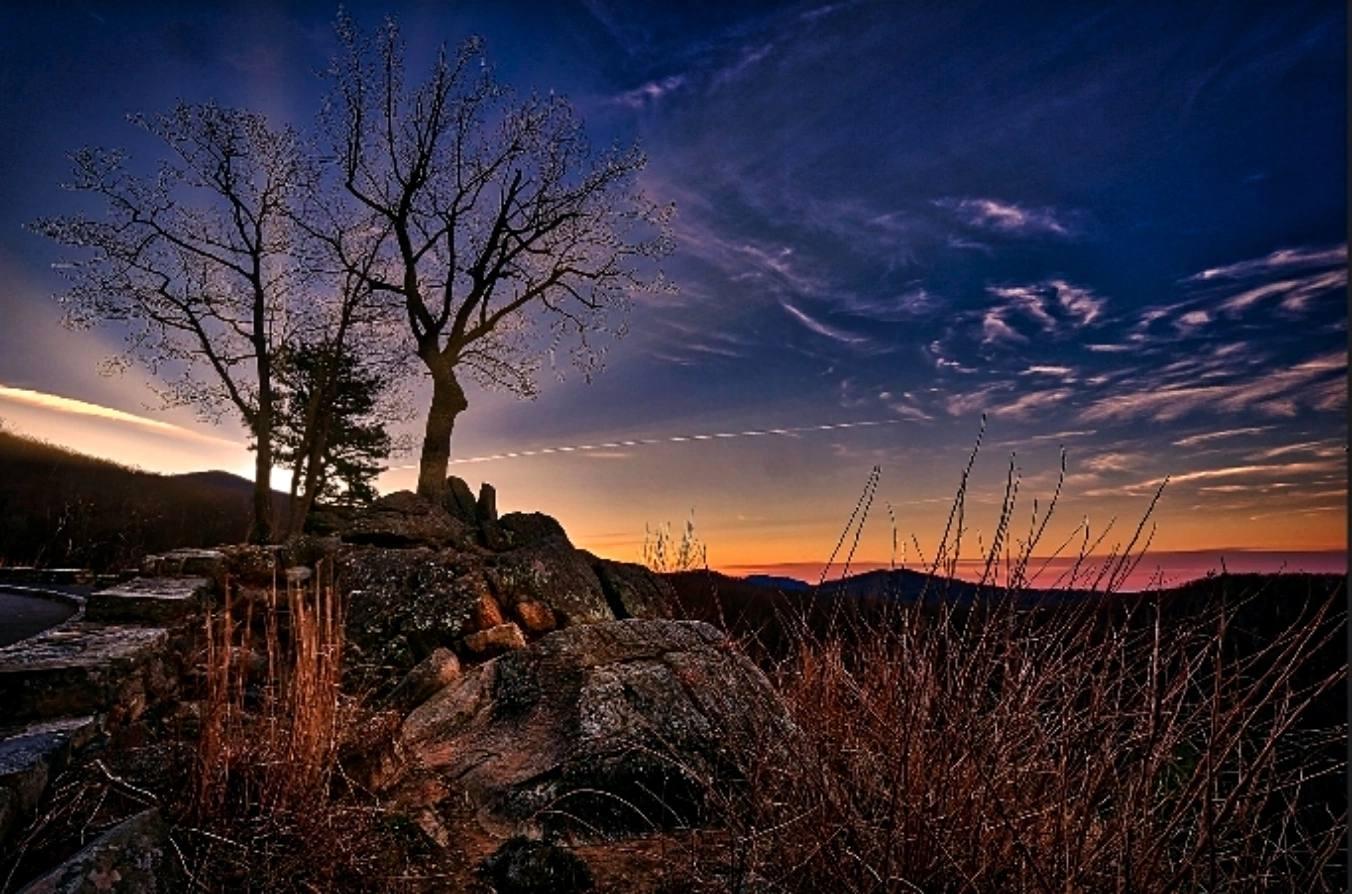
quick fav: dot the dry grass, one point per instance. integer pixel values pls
(664, 553)
(272, 741)
(1100, 743)
(1014, 751)
(274, 806)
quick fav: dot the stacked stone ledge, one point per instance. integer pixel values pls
(67, 690)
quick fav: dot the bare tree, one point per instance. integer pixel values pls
(196, 263)
(491, 224)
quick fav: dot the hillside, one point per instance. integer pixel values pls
(60, 507)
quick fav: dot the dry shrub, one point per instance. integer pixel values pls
(1056, 742)
(1014, 750)
(271, 742)
(274, 808)
(664, 553)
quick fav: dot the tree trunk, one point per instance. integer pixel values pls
(261, 530)
(310, 453)
(448, 401)
(313, 464)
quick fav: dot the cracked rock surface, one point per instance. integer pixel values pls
(621, 722)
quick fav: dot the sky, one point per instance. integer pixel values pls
(1117, 229)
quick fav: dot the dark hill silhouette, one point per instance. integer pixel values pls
(752, 607)
(60, 507)
(778, 581)
(1257, 608)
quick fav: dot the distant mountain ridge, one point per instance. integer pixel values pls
(779, 581)
(61, 507)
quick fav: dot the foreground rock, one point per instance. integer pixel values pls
(552, 573)
(622, 723)
(132, 858)
(406, 603)
(633, 591)
(525, 866)
(404, 519)
(84, 667)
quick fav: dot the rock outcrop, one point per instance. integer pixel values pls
(403, 519)
(524, 692)
(624, 723)
(405, 603)
(528, 866)
(407, 600)
(131, 857)
(633, 591)
(525, 528)
(552, 573)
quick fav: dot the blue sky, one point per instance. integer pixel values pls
(1120, 228)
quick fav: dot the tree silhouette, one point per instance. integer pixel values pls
(487, 221)
(196, 263)
(329, 430)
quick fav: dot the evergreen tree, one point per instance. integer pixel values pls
(330, 431)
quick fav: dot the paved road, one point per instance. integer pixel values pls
(23, 616)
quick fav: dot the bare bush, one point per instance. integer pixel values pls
(273, 804)
(1042, 741)
(1014, 750)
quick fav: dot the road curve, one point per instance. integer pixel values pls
(23, 615)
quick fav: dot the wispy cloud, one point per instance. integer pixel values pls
(746, 58)
(1192, 320)
(995, 330)
(1026, 405)
(1245, 471)
(1114, 462)
(1209, 436)
(70, 406)
(935, 350)
(1043, 369)
(1053, 305)
(1278, 261)
(1325, 449)
(963, 404)
(910, 411)
(823, 329)
(1273, 393)
(892, 309)
(1006, 217)
(1295, 294)
(647, 94)
(1027, 299)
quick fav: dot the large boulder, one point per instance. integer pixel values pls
(459, 501)
(132, 857)
(634, 591)
(624, 723)
(552, 573)
(526, 528)
(405, 603)
(404, 519)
